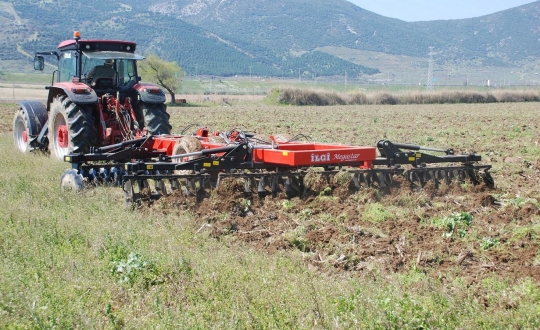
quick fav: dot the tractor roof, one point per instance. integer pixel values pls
(99, 45)
(104, 55)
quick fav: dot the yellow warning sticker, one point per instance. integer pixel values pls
(215, 163)
(418, 155)
(285, 153)
(149, 167)
(412, 159)
(207, 164)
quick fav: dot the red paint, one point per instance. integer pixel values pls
(288, 154)
(310, 154)
(62, 136)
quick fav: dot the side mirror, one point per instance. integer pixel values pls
(139, 78)
(39, 63)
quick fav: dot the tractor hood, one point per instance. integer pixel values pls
(104, 55)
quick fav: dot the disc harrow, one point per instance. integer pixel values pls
(147, 168)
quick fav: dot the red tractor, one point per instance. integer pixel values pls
(95, 99)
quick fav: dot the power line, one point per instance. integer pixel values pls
(429, 84)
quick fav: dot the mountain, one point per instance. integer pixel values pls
(272, 37)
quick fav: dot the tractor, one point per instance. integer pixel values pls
(95, 99)
(114, 129)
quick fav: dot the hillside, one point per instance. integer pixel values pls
(306, 38)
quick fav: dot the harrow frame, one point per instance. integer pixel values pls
(265, 169)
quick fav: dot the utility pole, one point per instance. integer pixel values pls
(429, 84)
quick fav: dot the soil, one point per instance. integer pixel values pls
(392, 230)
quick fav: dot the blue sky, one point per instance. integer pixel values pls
(428, 10)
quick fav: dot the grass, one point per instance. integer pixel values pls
(25, 78)
(376, 213)
(84, 261)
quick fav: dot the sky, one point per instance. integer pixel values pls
(429, 10)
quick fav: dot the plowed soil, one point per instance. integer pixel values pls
(372, 230)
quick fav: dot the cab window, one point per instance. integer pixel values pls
(126, 71)
(67, 67)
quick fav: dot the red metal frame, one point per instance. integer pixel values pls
(309, 154)
(110, 110)
(288, 153)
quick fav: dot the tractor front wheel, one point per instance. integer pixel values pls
(71, 128)
(21, 133)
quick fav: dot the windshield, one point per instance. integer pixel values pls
(124, 68)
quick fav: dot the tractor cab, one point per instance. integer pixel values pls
(103, 65)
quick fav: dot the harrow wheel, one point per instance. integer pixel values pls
(71, 128)
(71, 180)
(459, 174)
(138, 189)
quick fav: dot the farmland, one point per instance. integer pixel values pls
(460, 256)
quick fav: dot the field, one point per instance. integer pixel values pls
(460, 256)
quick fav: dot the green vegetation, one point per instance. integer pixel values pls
(456, 223)
(376, 213)
(489, 242)
(166, 74)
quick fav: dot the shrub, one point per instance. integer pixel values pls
(386, 99)
(323, 98)
(306, 97)
(359, 98)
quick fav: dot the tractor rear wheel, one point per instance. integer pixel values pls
(155, 118)
(21, 133)
(71, 128)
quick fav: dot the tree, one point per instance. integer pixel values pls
(166, 74)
